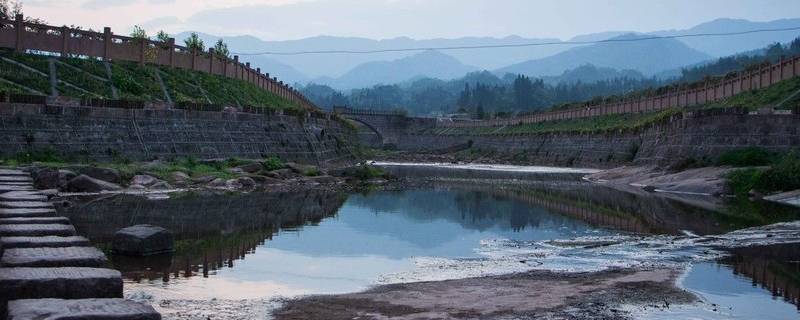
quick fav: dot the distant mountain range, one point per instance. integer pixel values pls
(648, 57)
(344, 71)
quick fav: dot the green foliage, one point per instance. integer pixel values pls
(366, 172)
(747, 157)
(39, 155)
(784, 175)
(221, 48)
(194, 43)
(313, 172)
(139, 33)
(273, 163)
(162, 36)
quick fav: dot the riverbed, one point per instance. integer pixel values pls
(243, 256)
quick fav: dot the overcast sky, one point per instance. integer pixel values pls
(381, 19)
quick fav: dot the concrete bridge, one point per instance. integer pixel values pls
(385, 128)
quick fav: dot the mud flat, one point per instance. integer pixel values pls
(530, 295)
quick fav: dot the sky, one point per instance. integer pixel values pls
(419, 19)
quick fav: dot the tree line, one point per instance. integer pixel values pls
(483, 94)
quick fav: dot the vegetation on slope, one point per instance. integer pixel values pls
(88, 78)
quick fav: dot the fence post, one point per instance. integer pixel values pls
(64, 41)
(19, 24)
(106, 43)
(211, 60)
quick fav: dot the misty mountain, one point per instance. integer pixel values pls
(728, 45)
(589, 73)
(648, 57)
(432, 64)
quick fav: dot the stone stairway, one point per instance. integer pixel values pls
(47, 271)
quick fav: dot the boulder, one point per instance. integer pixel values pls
(84, 183)
(204, 179)
(161, 185)
(137, 187)
(180, 178)
(324, 179)
(301, 168)
(264, 179)
(281, 174)
(217, 183)
(53, 178)
(243, 183)
(105, 174)
(143, 179)
(250, 167)
(143, 240)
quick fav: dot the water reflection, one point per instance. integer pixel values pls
(773, 268)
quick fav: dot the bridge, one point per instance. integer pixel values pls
(385, 129)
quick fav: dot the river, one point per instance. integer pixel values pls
(239, 255)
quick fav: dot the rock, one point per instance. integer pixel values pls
(301, 168)
(84, 183)
(161, 185)
(69, 282)
(180, 178)
(143, 179)
(250, 167)
(90, 257)
(105, 174)
(324, 179)
(204, 179)
(754, 194)
(235, 171)
(217, 183)
(49, 192)
(53, 179)
(110, 309)
(243, 184)
(282, 174)
(136, 187)
(649, 188)
(376, 181)
(143, 240)
(265, 180)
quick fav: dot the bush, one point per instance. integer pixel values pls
(272, 163)
(366, 172)
(784, 175)
(742, 181)
(747, 157)
(41, 155)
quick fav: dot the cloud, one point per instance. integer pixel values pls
(103, 4)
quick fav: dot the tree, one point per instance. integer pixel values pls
(481, 113)
(9, 10)
(138, 33)
(194, 43)
(162, 36)
(523, 91)
(221, 48)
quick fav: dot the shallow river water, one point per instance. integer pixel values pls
(238, 254)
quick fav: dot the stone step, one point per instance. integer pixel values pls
(15, 178)
(54, 257)
(58, 309)
(26, 212)
(43, 242)
(13, 172)
(16, 183)
(7, 187)
(22, 196)
(35, 220)
(63, 283)
(25, 204)
(32, 230)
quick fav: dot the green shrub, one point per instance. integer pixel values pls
(747, 157)
(312, 172)
(744, 180)
(272, 163)
(783, 176)
(366, 172)
(39, 155)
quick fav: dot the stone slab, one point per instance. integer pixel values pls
(25, 204)
(22, 196)
(43, 242)
(27, 230)
(89, 309)
(13, 172)
(15, 178)
(63, 283)
(7, 188)
(54, 257)
(35, 220)
(26, 212)
(16, 183)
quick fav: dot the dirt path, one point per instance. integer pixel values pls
(532, 295)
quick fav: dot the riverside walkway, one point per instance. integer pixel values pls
(47, 271)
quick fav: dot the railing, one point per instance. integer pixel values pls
(368, 112)
(21, 36)
(684, 96)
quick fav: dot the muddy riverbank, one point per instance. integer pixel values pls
(529, 295)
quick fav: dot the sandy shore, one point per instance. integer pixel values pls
(531, 295)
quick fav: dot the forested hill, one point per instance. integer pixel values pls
(486, 93)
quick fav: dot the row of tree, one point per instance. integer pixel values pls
(484, 94)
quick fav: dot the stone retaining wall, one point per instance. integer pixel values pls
(685, 136)
(144, 134)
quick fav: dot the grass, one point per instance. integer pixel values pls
(135, 82)
(783, 174)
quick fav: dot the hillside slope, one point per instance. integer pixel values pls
(30, 74)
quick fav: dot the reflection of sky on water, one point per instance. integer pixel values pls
(375, 235)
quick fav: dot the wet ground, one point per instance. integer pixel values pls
(241, 256)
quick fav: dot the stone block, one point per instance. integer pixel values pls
(84, 183)
(28, 230)
(58, 309)
(143, 240)
(43, 242)
(35, 220)
(26, 212)
(54, 257)
(22, 196)
(64, 283)
(25, 204)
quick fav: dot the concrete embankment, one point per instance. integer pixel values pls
(47, 271)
